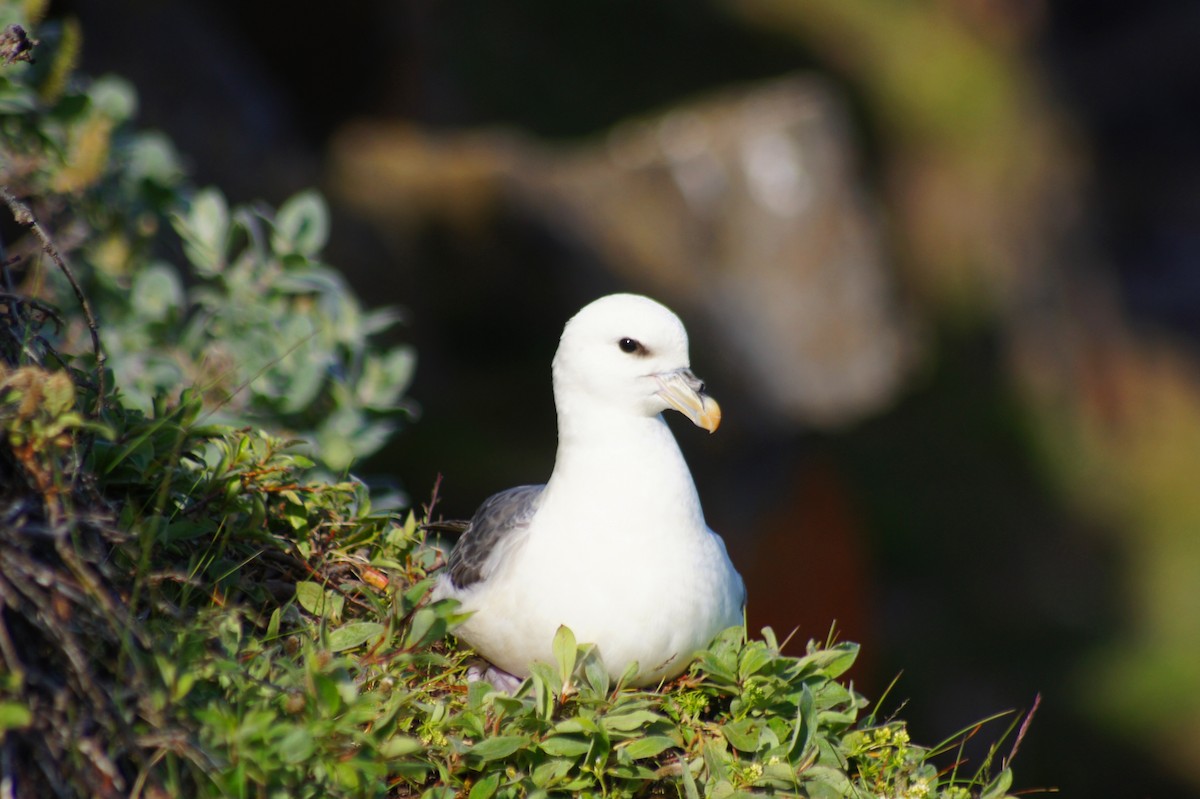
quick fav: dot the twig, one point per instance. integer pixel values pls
(5, 272)
(245, 384)
(1037, 701)
(16, 301)
(8, 775)
(433, 498)
(9, 652)
(24, 216)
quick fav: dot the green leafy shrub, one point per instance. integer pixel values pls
(271, 336)
(191, 606)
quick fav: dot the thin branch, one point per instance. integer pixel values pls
(1037, 701)
(24, 216)
(18, 301)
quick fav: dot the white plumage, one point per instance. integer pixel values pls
(615, 545)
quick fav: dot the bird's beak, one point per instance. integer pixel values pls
(684, 392)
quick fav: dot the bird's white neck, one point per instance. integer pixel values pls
(609, 462)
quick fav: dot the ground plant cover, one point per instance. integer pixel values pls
(197, 598)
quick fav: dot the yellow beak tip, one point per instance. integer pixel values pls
(710, 415)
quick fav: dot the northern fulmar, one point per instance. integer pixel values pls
(614, 545)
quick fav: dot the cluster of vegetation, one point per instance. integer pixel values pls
(195, 598)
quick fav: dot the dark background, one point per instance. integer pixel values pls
(941, 531)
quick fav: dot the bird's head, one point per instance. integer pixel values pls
(628, 355)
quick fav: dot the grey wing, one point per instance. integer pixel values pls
(496, 528)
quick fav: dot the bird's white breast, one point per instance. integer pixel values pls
(619, 552)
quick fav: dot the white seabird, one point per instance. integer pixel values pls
(615, 545)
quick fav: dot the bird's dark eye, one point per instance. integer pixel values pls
(631, 346)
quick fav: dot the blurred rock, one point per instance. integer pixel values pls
(743, 208)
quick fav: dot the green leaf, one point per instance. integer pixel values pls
(690, 790)
(348, 775)
(418, 592)
(14, 716)
(58, 393)
(836, 718)
(498, 748)
(229, 633)
(296, 746)
(311, 596)
(742, 735)
(595, 672)
(355, 633)
(319, 602)
(503, 703)
(999, 786)
(302, 225)
(327, 692)
(183, 685)
(153, 158)
(650, 746)
(565, 651)
(551, 772)
(627, 722)
(723, 789)
(546, 687)
(565, 745)
(113, 97)
(834, 778)
(716, 759)
(754, 658)
(185, 530)
(577, 724)
(485, 788)
(273, 624)
(833, 661)
(427, 626)
(804, 727)
(206, 230)
(156, 292)
(399, 746)
(780, 775)
(16, 103)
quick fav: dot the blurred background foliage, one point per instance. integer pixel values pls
(246, 312)
(937, 258)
